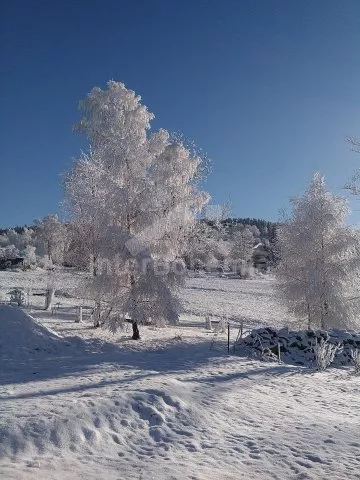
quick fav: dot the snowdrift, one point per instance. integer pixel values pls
(146, 422)
(67, 411)
(296, 347)
(22, 337)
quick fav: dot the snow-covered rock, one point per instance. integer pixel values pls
(297, 347)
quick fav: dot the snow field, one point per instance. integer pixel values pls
(167, 407)
(253, 301)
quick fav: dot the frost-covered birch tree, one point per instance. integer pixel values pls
(241, 251)
(207, 248)
(318, 275)
(50, 236)
(133, 198)
(354, 184)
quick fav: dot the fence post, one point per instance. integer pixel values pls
(279, 355)
(208, 323)
(228, 348)
(79, 315)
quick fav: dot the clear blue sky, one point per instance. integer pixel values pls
(269, 89)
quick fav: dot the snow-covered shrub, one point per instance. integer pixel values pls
(10, 251)
(17, 296)
(29, 256)
(324, 354)
(44, 262)
(355, 357)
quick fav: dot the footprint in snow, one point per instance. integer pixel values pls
(314, 458)
(302, 463)
(97, 422)
(116, 439)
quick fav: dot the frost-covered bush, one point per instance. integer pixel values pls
(355, 357)
(324, 354)
(29, 256)
(10, 251)
(17, 296)
(44, 262)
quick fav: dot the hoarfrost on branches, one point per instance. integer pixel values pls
(133, 197)
(318, 276)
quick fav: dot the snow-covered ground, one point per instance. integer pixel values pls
(253, 301)
(76, 402)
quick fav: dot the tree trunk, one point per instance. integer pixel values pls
(325, 311)
(50, 295)
(309, 317)
(49, 251)
(136, 333)
(94, 266)
(97, 315)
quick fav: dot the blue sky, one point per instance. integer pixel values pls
(269, 89)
